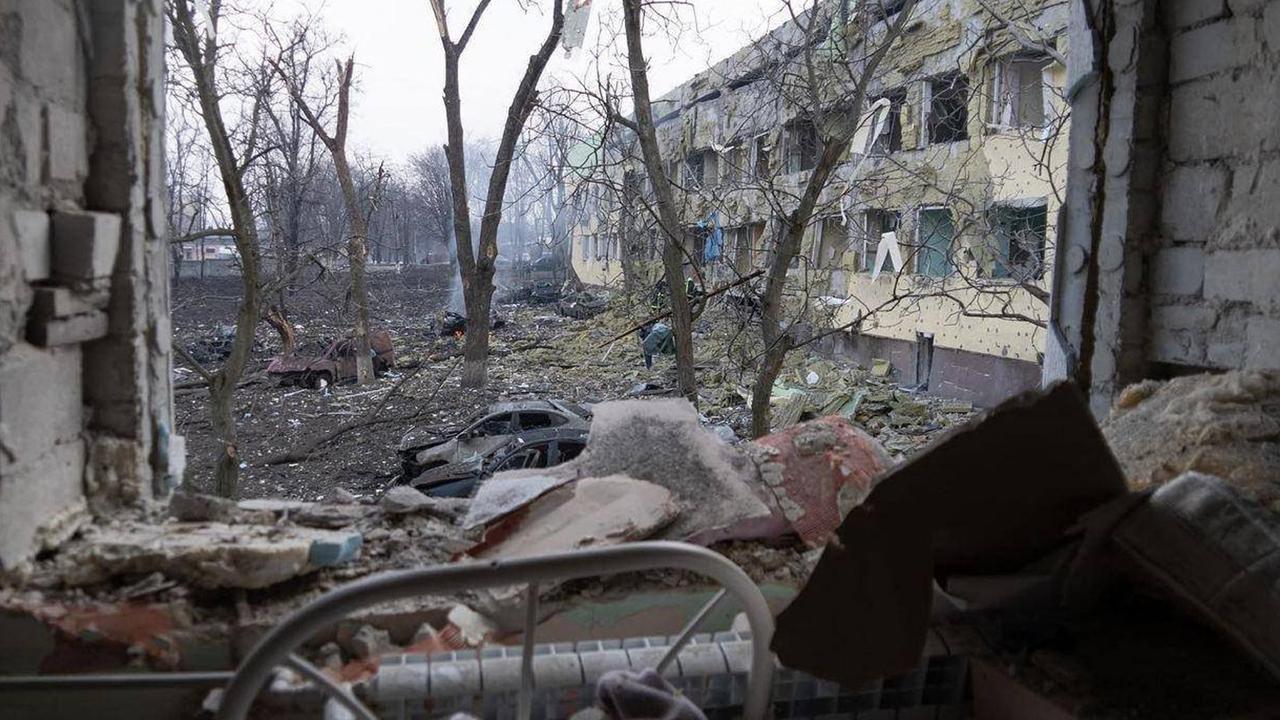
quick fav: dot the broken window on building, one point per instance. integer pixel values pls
(801, 145)
(731, 172)
(746, 246)
(890, 138)
(696, 240)
(1019, 241)
(833, 242)
(1018, 92)
(934, 232)
(760, 167)
(694, 169)
(946, 108)
(585, 247)
(881, 9)
(875, 224)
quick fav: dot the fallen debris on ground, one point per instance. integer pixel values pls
(1226, 425)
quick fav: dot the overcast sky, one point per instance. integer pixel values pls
(400, 64)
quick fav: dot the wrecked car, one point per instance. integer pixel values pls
(530, 449)
(482, 436)
(336, 364)
(453, 324)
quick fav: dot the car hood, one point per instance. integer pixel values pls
(455, 450)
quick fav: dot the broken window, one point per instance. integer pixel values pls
(947, 108)
(735, 165)
(890, 138)
(875, 224)
(1018, 92)
(833, 241)
(746, 246)
(535, 420)
(694, 167)
(934, 233)
(801, 145)
(585, 247)
(696, 241)
(881, 9)
(760, 167)
(499, 424)
(1019, 241)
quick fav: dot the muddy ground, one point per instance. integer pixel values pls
(538, 353)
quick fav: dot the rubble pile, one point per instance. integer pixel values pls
(1226, 425)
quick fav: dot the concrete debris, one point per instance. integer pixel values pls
(196, 507)
(591, 512)
(507, 492)
(209, 555)
(903, 422)
(661, 441)
(340, 496)
(324, 515)
(473, 628)
(404, 500)
(1227, 425)
(364, 641)
(818, 472)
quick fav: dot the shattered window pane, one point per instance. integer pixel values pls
(1019, 242)
(535, 420)
(948, 108)
(1017, 92)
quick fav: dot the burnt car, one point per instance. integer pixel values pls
(335, 364)
(530, 449)
(463, 451)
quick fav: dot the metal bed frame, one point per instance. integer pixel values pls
(276, 648)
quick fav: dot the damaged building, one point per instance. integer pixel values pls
(960, 155)
(1103, 547)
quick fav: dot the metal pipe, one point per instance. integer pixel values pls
(114, 681)
(336, 691)
(276, 645)
(692, 627)
(525, 705)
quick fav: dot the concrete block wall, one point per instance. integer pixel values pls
(1214, 280)
(1172, 226)
(82, 275)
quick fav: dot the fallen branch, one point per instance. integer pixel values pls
(368, 419)
(659, 316)
(195, 364)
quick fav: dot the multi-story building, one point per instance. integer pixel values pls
(933, 241)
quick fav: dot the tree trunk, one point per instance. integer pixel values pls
(201, 57)
(762, 389)
(275, 318)
(356, 260)
(672, 254)
(476, 263)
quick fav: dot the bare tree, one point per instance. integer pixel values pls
(476, 262)
(358, 231)
(673, 251)
(197, 43)
(835, 122)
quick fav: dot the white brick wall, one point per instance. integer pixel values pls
(1214, 282)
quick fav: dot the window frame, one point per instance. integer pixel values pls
(1002, 267)
(930, 126)
(949, 268)
(869, 251)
